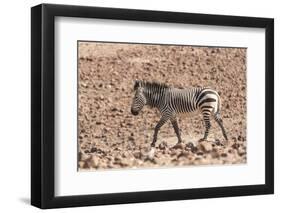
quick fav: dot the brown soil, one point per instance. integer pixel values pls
(110, 137)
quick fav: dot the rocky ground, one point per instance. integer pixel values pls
(110, 137)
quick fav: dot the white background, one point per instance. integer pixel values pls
(71, 182)
(15, 106)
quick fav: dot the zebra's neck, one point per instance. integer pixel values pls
(154, 96)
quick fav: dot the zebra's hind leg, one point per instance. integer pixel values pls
(207, 126)
(176, 128)
(218, 119)
(160, 123)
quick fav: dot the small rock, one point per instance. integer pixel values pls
(125, 162)
(81, 164)
(200, 153)
(163, 145)
(215, 154)
(111, 165)
(151, 153)
(190, 145)
(234, 139)
(241, 151)
(137, 154)
(131, 138)
(110, 158)
(235, 146)
(94, 149)
(87, 165)
(114, 109)
(205, 146)
(95, 161)
(184, 154)
(179, 146)
(173, 152)
(218, 143)
(224, 154)
(125, 154)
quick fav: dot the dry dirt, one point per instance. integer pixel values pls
(110, 137)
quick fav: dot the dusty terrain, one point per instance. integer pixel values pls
(110, 137)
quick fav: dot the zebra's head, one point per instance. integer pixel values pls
(139, 99)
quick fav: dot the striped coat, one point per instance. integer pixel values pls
(173, 101)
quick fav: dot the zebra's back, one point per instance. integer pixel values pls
(189, 100)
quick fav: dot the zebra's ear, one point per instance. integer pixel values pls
(137, 84)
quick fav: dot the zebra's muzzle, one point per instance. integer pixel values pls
(134, 112)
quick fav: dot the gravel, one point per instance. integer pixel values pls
(109, 137)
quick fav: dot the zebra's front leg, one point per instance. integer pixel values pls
(176, 128)
(160, 123)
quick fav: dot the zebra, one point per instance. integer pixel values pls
(172, 101)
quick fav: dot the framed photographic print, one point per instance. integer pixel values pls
(140, 106)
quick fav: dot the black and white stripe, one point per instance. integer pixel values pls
(173, 101)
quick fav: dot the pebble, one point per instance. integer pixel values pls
(84, 157)
(200, 153)
(214, 154)
(184, 154)
(190, 145)
(114, 109)
(218, 143)
(151, 154)
(81, 164)
(179, 146)
(224, 154)
(235, 146)
(174, 153)
(131, 138)
(241, 151)
(95, 161)
(205, 146)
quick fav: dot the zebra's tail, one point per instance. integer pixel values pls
(218, 108)
(218, 118)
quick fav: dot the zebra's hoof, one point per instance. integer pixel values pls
(190, 145)
(202, 139)
(218, 143)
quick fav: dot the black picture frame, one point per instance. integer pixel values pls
(43, 102)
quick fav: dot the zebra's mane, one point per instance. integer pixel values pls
(150, 85)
